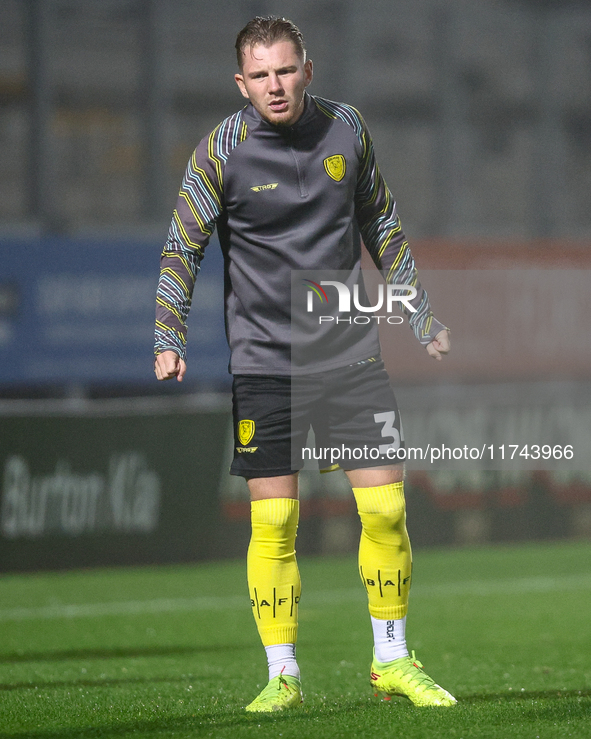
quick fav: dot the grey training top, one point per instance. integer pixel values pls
(285, 200)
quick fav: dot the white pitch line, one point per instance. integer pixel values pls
(513, 586)
(129, 607)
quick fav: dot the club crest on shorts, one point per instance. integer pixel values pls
(245, 431)
(335, 167)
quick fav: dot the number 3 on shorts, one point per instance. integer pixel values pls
(389, 431)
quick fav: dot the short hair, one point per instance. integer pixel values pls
(267, 31)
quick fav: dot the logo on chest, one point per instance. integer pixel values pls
(260, 188)
(335, 167)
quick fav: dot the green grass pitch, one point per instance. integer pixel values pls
(173, 651)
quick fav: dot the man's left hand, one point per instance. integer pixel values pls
(440, 345)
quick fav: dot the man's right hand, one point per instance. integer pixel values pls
(169, 365)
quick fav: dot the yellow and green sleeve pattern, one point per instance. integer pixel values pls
(198, 208)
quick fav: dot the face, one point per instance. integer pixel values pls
(274, 78)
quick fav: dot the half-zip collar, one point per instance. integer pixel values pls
(291, 135)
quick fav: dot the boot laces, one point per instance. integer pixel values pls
(414, 672)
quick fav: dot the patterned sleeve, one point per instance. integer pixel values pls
(385, 241)
(198, 208)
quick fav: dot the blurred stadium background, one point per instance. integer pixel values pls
(481, 116)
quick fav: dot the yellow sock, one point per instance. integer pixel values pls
(385, 558)
(272, 570)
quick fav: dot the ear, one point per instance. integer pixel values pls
(239, 79)
(308, 72)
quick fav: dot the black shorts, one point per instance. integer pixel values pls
(352, 411)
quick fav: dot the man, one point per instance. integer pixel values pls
(291, 182)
